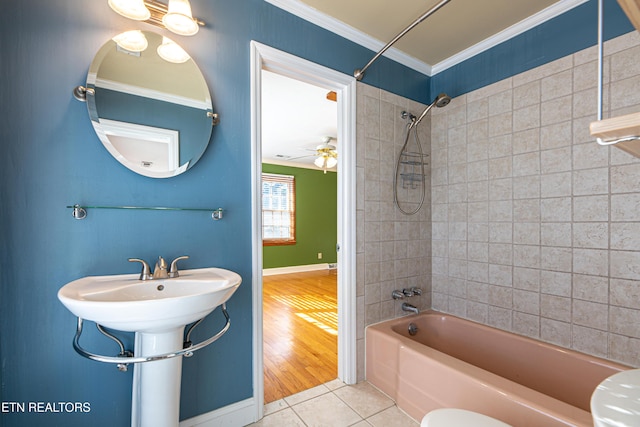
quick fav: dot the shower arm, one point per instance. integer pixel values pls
(359, 73)
(424, 113)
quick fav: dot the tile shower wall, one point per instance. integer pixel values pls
(536, 228)
(393, 250)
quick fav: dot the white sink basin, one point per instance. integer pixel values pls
(125, 303)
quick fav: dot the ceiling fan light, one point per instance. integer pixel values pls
(133, 41)
(132, 9)
(179, 19)
(171, 52)
(331, 162)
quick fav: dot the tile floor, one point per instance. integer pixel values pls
(336, 404)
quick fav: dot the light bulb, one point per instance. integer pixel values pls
(133, 41)
(319, 162)
(179, 19)
(331, 162)
(132, 9)
(171, 52)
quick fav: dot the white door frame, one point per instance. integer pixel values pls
(268, 58)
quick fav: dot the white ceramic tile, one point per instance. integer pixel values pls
(591, 235)
(364, 399)
(556, 135)
(392, 417)
(557, 85)
(624, 321)
(275, 406)
(326, 410)
(526, 324)
(306, 395)
(624, 349)
(555, 332)
(591, 261)
(286, 417)
(589, 340)
(556, 259)
(590, 314)
(591, 288)
(555, 283)
(555, 307)
(556, 184)
(625, 293)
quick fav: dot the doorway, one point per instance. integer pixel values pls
(299, 219)
(266, 58)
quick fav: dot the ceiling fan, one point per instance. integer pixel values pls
(325, 153)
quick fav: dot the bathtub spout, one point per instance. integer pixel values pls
(409, 307)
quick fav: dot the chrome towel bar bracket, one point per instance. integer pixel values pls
(125, 357)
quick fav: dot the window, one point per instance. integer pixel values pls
(278, 209)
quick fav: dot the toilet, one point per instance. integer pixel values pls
(450, 417)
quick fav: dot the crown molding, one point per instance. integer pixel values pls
(526, 24)
(308, 13)
(302, 10)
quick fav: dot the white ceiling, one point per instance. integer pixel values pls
(457, 31)
(297, 116)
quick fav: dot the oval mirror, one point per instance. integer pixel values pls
(149, 104)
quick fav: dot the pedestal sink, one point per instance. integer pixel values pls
(157, 311)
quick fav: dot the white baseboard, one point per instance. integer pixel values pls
(237, 414)
(298, 269)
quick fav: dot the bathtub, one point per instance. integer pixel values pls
(452, 362)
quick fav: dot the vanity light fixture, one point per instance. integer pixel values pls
(132, 9)
(171, 52)
(133, 41)
(175, 16)
(179, 19)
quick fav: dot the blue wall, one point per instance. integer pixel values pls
(568, 33)
(52, 158)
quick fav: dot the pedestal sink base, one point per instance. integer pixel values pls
(157, 311)
(156, 385)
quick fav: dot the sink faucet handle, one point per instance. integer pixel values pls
(173, 269)
(146, 271)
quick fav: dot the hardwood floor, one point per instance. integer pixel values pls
(300, 332)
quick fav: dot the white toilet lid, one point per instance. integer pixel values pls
(450, 417)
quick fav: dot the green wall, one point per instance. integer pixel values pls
(316, 219)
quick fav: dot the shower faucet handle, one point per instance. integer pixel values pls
(408, 292)
(397, 294)
(416, 291)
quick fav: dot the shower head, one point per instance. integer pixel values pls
(441, 100)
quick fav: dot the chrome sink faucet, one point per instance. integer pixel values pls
(160, 271)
